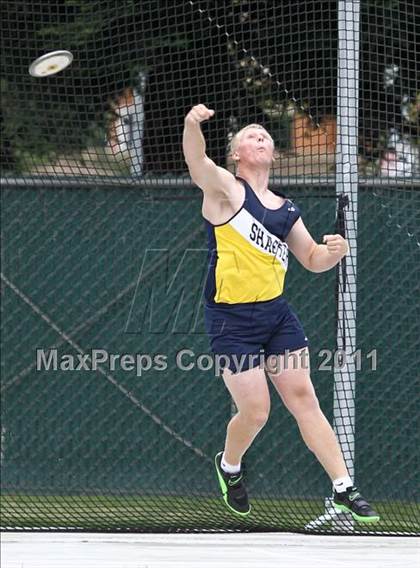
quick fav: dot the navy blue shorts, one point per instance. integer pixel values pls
(244, 335)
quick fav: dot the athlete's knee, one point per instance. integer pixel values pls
(257, 416)
(302, 400)
(259, 419)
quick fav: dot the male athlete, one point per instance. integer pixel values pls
(250, 230)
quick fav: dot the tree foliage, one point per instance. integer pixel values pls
(254, 61)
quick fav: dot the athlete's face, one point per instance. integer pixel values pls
(255, 147)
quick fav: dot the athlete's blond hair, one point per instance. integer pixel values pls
(237, 138)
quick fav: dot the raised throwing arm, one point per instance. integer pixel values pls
(203, 171)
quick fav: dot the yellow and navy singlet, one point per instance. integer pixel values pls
(248, 255)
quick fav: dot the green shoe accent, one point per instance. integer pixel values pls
(224, 489)
(357, 517)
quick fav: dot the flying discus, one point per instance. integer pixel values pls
(50, 63)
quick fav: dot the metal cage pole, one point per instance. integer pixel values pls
(346, 191)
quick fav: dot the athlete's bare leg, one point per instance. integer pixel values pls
(249, 391)
(295, 388)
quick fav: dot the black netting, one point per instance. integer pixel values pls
(103, 248)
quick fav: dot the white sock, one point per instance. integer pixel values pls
(342, 484)
(227, 467)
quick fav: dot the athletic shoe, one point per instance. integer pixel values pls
(233, 488)
(351, 501)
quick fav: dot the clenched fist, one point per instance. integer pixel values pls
(199, 113)
(336, 245)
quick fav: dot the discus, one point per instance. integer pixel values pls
(50, 63)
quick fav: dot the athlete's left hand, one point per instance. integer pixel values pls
(336, 245)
